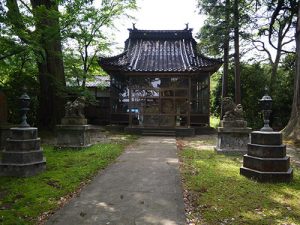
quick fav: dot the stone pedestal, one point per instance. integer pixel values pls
(4, 134)
(266, 159)
(73, 121)
(23, 155)
(232, 139)
(73, 136)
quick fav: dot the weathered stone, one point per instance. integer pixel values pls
(268, 176)
(22, 145)
(73, 136)
(22, 170)
(266, 138)
(267, 164)
(24, 133)
(266, 160)
(233, 135)
(232, 140)
(267, 151)
(22, 156)
(4, 134)
(73, 121)
(235, 123)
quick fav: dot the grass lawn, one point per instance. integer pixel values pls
(219, 195)
(24, 200)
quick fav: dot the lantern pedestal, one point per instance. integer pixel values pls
(23, 156)
(266, 159)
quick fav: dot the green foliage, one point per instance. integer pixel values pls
(17, 72)
(22, 200)
(254, 78)
(283, 94)
(220, 195)
(85, 26)
(220, 22)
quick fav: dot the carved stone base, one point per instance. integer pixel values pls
(23, 155)
(234, 123)
(73, 136)
(266, 160)
(232, 140)
(4, 134)
(73, 121)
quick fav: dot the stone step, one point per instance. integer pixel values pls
(22, 170)
(22, 157)
(267, 176)
(158, 132)
(267, 164)
(23, 145)
(266, 138)
(18, 133)
(267, 151)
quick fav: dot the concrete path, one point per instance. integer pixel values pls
(142, 188)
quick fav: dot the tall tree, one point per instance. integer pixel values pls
(292, 130)
(237, 67)
(43, 37)
(223, 24)
(274, 22)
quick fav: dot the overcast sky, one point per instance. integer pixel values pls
(161, 15)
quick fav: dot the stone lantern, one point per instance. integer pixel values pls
(266, 159)
(24, 103)
(266, 105)
(23, 155)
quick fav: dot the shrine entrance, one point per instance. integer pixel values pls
(159, 102)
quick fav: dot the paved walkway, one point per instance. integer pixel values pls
(142, 188)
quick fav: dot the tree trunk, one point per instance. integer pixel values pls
(51, 69)
(292, 130)
(237, 69)
(274, 72)
(226, 56)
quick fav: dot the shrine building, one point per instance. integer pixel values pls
(160, 81)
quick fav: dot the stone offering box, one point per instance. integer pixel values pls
(23, 156)
(266, 160)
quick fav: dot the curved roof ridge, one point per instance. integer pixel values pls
(160, 51)
(209, 58)
(113, 57)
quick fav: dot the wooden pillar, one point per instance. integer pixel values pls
(189, 103)
(208, 99)
(130, 102)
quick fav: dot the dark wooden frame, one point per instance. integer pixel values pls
(192, 119)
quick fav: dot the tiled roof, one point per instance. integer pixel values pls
(160, 51)
(102, 81)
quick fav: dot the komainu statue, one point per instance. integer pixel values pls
(232, 111)
(75, 108)
(234, 114)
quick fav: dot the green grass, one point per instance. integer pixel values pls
(23, 200)
(214, 121)
(221, 196)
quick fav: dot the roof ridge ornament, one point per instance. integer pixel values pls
(186, 26)
(133, 26)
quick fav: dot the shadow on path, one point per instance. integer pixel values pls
(143, 187)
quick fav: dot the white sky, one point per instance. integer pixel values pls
(161, 15)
